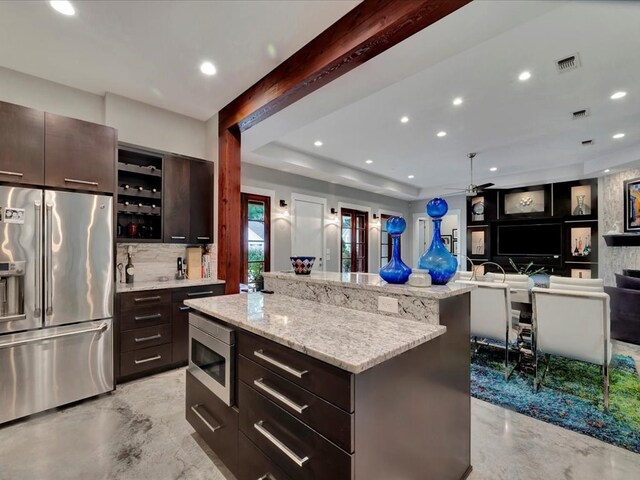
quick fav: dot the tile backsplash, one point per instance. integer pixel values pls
(153, 260)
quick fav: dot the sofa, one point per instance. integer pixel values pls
(625, 307)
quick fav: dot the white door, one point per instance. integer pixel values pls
(307, 229)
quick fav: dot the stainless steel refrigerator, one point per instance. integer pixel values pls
(56, 299)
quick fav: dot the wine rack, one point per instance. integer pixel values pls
(139, 200)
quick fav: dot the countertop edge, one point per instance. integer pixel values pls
(351, 368)
(169, 284)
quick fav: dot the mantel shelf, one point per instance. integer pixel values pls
(623, 240)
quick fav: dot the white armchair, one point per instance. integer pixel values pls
(576, 284)
(572, 324)
(491, 315)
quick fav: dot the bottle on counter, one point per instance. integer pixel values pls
(129, 270)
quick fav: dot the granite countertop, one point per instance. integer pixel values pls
(159, 285)
(348, 339)
(373, 282)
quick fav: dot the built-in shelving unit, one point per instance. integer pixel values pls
(564, 215)
(622, 240)
(139, 196)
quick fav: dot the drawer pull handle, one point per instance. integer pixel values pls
(197, 294)
(203, 238)
(194, 409)
(11, 174)
(147, 317)
(184, 308)
(81, 182)
(281, 446)
(177, 237)
(146, 339)
(275, 394)
(147, 299)
(297, 373)
(146, 360)
(267, 476)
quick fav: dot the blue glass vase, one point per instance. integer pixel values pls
(442, 265)
(395, 271)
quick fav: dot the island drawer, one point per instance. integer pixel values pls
(145, 337)
(214, 421)
(327, 419)
(301, 452)
(322, 379)
(255, 465)
(145, 317)
(188, 293)
(135, 300)
(150, 358)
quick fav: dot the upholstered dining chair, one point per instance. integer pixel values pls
(576, 284)
(575, 325)
(491, 316)
(519, 287)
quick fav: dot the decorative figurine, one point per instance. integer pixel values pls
(442, 265)
(395, 271)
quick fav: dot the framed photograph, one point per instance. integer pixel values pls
(454, 233)
(455, 246)
(447, 240)
(581, 200)
(477, 243)
(632, 205)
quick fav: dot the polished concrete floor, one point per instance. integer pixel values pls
(139, 432)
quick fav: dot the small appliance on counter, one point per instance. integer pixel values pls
(180, 273)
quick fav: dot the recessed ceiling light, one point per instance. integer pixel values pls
(63, 6)
(411, 176)
(317, 143)
(524, 76)
(607, 170)
(368, 162)
(618, 95)
(442, 133)
(493, 169)
(618, 135)
(457, 101)
(404, 119)
(208, 68)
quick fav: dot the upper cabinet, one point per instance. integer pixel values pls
(201, 197)
(188, 201)
(176, 202)
(21, 144)
(79, 155)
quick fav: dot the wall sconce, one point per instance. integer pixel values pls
(375, 216)
(334, 211)
(283, 204)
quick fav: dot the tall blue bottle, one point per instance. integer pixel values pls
(395, 271)
(442, 265)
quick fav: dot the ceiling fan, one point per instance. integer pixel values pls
(472, 189)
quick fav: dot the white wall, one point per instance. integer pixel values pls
(136, 122)
(284, 184)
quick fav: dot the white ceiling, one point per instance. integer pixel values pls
(151, 50)
(524, 129)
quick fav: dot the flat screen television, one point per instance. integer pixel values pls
(531, 240)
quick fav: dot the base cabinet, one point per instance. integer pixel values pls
(152, 329)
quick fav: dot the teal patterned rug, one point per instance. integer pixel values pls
(571, 396)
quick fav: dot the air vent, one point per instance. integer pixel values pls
(569, 63)
(587, 143)
(580, 114)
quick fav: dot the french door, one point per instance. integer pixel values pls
(355, 241)
(256, 248)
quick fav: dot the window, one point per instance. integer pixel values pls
(256, 213)
(386, 246)
(355, 240)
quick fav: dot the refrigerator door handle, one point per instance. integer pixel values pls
(48, 259)
(101, 328)
(38, 265)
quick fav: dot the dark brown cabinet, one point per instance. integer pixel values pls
(79, 155)
(188, 200)
(152, 329)
(176, 201)
(21, 144)
(201, 199)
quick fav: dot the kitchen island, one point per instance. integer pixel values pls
(321, 391)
